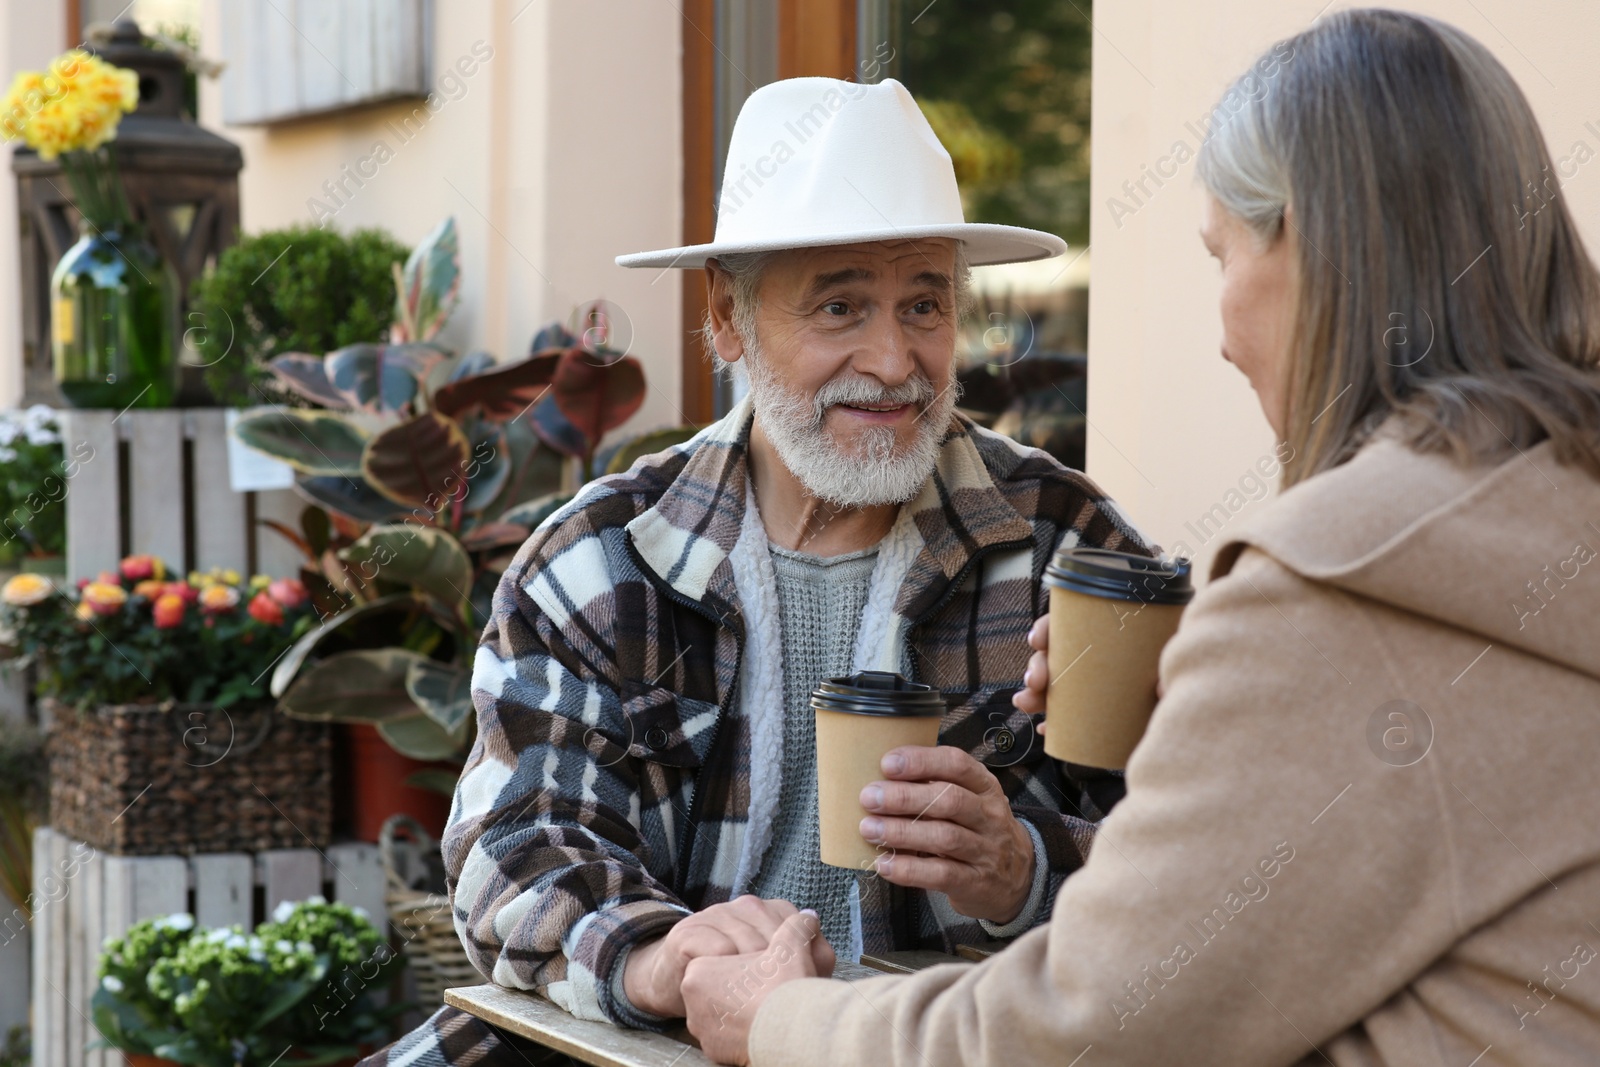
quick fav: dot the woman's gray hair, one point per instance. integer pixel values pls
(745, 270)
(1442, 284)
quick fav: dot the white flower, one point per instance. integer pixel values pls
(234, 941)
(111, 984)
(358, 910)
(180, 920)
(9, 429)
(283, 946)
(218, 936)
(7, 454)
(281, 913)
(305, 946)
(315, 898)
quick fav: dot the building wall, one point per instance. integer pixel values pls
(556, 148)
(1176, 430)
(31, 35)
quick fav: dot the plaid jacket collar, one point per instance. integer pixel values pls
(686, 537)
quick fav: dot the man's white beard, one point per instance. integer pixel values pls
(871, 473)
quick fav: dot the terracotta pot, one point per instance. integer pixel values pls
(373, 785)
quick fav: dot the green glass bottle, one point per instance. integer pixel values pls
(114, 321)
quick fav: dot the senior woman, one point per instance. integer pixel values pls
(1361, 826)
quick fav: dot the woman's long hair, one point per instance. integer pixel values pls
(1442, 280)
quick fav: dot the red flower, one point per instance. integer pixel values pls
(265, 609)
(290, 592)
(168, 611)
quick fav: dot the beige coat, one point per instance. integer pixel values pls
(1364, 825)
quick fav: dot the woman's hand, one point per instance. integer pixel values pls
(1036, 679)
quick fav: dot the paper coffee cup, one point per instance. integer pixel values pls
(859, 719)
(1110, 615)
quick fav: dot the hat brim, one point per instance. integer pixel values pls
(986, 244)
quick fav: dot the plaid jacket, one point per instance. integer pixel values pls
(608, 791)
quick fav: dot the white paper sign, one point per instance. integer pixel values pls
(249, 470)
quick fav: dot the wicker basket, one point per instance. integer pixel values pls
(149, 779)
(421, 914)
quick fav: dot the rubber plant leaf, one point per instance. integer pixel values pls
(444, 693)
(381, 378)
(597, 393)
(364, 686)
(424, 557)
(306, 376)
(352, 498)
(380, 623)
(430, 285)
(503, 392)
(421, 462)
(312, 442)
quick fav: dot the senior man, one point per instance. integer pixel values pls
(643, 789)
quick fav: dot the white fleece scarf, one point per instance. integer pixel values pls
(879, 646)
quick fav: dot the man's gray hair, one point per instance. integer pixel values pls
(745, 270)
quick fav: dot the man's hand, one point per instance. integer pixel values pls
(723, 993)
(948, 827)
(653, 978)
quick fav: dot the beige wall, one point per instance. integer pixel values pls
(1175, 428)
(562, 151)
(31, 35)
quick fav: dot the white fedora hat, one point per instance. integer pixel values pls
(818, 161)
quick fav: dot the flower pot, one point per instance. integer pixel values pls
(113, 320)
(374, 785)
(132, 779)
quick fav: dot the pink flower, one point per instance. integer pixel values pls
(149, 588)
(290, 592)
(188, 593)
(168, 611)
(138, 568)
(265, 609)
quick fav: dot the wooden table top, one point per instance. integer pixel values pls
(604, 1045)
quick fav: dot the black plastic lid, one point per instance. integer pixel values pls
(1121, 576)
(878, 693)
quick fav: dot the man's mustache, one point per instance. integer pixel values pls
(865, 392)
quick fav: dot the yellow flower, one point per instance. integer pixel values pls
(25, 590)
(84, 610)
(219, 598)
(75, 104)
(104, 598)
(226, 575)
(198, 579)
(259, 582)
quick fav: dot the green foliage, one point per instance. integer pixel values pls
(327, 290)
(24, 778)
(33, 485)
(215, 998)
(16, 1051)
(1020, 68)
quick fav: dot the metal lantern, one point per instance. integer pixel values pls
(182, 182)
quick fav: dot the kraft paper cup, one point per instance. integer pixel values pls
(859, 719)
(1110, 615)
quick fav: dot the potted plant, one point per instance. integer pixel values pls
(147, 678)
(113, 298)
(432, 468)
(23, 785)
(299, 289)
(33, 486)
(300, 988)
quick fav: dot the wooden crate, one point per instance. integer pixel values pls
(156, 482)
(88, 896)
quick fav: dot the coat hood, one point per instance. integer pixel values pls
(1510, 552)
